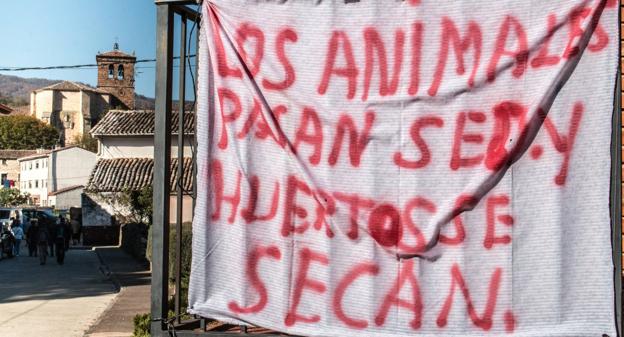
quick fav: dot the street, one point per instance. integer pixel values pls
(52, 300)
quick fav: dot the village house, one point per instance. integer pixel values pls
(125, 162)
(130, 134)
(66, 198)
(54, 177)
(10, 167)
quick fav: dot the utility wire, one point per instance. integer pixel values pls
(78, 66)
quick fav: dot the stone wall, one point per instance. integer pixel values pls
(96, 212)
(99, 227)
(100, 236)
(134, 240)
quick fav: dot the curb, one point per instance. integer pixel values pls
(105, 270)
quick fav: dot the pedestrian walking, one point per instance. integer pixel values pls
(18, 233)
(43, 238)
(61, 240)
(75, 226)
(32, 237)
(75, 218)
(15, 221)
(67, 231)
(51, 227)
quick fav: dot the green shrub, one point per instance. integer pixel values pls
(185, 270)
(141, 325)
(86, 141)
(187, 242)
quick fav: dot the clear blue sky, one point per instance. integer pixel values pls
(68, 32)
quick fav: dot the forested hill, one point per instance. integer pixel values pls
(15, 91)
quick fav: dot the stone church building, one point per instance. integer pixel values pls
(74, 108)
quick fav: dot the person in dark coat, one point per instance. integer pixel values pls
(43, 239)
(51, 236)
(61, 240)
(67, 232)
(32, 237)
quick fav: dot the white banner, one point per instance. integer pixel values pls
(421, 168)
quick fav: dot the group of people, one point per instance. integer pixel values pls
(43, 238)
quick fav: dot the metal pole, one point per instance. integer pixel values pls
(162, 160)
(194, 140)
(180, 190)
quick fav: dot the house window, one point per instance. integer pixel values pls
(36, 183)
(30, 165)
(30, 184)
(3, 178)
(111, 71)
(120, 72)
(37, 164)
(4, 162)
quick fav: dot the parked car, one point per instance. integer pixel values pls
(6, 213)
(5, 216)
(45, 216)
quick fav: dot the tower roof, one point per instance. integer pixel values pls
(115, 53)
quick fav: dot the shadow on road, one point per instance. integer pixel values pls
(23, 279)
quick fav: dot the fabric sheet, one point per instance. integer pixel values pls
(421, 168)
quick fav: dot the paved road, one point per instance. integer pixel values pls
(52, 300)
(134, 297)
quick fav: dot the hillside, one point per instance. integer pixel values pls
(15, 91)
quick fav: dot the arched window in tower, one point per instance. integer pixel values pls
(111, 71)
(120, 72)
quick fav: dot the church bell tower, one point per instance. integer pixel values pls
(116, 76)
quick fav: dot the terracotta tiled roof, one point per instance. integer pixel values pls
(70, 86)
(15, 154)
(5, 109)
(66, 189)
(118, 174)
(137, 123)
